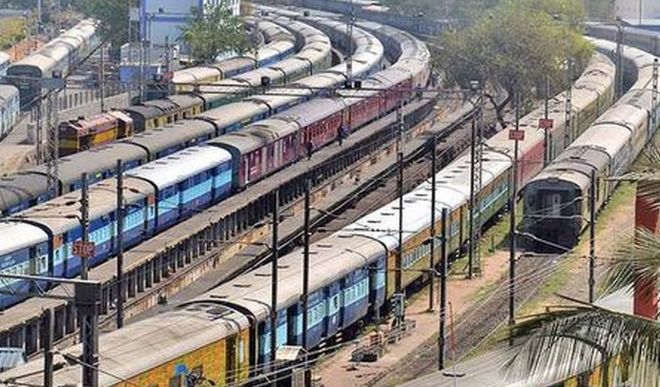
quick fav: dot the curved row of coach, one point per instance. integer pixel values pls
(166, 191)
(224, 335)
(29, 187)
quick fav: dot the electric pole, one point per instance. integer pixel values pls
(568, 133)
(517, 136)
(47, 329)
(305, 294)
(432, 228)
(476, 150)
(398, 283)
(102, 78)
(273, 300)
(654, 95)
(547, 152)
(84, 220)
(592, 235)
(119, 217)
(349, 36)
(619, 57)
(443, 292)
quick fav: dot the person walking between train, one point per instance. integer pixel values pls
(342, 133)
(310, 149)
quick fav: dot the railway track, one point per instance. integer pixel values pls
(477, 324)
(225, 262)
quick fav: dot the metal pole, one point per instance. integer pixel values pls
(592, 235)
(432, 229)
(641, 13)
(512, 223)
(273, 302)
(305, 295)
(398, 283)
(47, 339)
(453, 345)
(473, 193)
(142, 89)
(619, 57)
(168, 66)
(84, 220)
(119, 217)
(546, 142)
(88, 301)
(102, 78)
(349, 35)
(443, 292)
(654, 96)
(568, 133)
(39, 17)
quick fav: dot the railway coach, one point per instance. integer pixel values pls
(557, 201)
(94, 131)
(280, 43)
(28, 188)
(169, 198)
(9, 108)
(224, 334)
(54, 60)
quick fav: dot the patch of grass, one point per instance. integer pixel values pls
(12, 30)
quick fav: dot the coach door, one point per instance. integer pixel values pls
(230, 358)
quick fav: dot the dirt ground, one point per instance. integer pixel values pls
(462, 293)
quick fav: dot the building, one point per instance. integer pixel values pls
(162, 20)
(629, 9)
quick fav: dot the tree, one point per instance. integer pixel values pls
(571, 340)
(516, 46)
(600, 9)
(214, 32)
(566, 342)
(112, 15)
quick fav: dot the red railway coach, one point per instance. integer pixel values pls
(248, 154)
(319, 119)
(282, 147)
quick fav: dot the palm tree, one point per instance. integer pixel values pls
(567, 341)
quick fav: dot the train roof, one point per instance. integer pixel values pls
(164, 137)
(573, 167)
(176, 167)
(21, 187)
(18, 235)
(241, 141)
(95, 160)
(227, 115)
(185, 101)
(132, 350)
(233, 63)
(195, 74)
(144, 111)
(60, 47)
(609, 137)
(7, 92)
(270, 130)
(164, 105)
(332, 258)
(327, 78)
(62, 213)
(312, 111)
